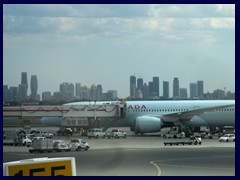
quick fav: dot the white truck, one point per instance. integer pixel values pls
(95, 133)
(173, 132)
(117, 133)
(78, 144)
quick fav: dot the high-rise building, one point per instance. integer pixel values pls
(165, 89)
(150, 89)
(46, 96)
(78, 90)
(22, 92)
(183, 93)
(145, 91)
(34, 87)
(111, 95)
(140, 84)
(200, 89)
(193, 90)
(13, 94)
(23, 89)
(132, 86)
(99, 92)
(5, 93)
(67, 91)
(93, 93)
(175, 88)
(24, 79)
(156, 86)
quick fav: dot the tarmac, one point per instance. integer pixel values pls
(142, 156)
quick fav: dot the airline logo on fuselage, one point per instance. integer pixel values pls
(135, 107)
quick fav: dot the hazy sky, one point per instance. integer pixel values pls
(105, 44)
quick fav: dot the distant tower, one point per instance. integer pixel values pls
(78, 89)
(24, 78)
(183, 92)
(165, 89)
(156, 86)
(145, 91)
(200, 89)
(34, 87)
(175, 88)
(99, 92)
(132, 86)
(150, 89)
(193, 90)
(140, 84)
(23, 87)
(66, 91)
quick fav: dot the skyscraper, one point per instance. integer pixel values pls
(145, 91)
(193, 90)
(165, 89)
(78, 89)
(150, 89)
(140, 84)
(156, 86)
(34, 87)
(175, 88)
(67, 91)
(200, 89)
(183, 93)
(99, 92)
(132, 86)
(24, 78)
(23, 87)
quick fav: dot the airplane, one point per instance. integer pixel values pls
(152, 116)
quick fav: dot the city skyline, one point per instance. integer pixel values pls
(139, 89)
(105, 44)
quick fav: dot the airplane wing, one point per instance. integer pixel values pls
(187, 115)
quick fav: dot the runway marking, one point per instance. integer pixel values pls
(157, 167)
(157, 164)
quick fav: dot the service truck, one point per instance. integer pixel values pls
(78, 144)
(173, 132)
(96, 133)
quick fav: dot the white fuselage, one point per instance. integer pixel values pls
(221, 117)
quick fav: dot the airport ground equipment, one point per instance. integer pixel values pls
(96, 133)
(78, 144)
(84, 116)
(191, 141)
(173, 132)
(60, 145)
(50, 145)
(42, 145)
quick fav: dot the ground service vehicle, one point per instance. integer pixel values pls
(192, 140)
(96, 133)
(26, 142)
(65, 132)
(78, 144)
(118, 133)
(60, 145)
(173, 132)
(227, 138)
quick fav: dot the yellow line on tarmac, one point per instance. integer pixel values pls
(157, 167)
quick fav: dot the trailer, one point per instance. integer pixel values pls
(191, 141)
(49, 145)
(42, 145)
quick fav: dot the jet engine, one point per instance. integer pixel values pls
(146, 124)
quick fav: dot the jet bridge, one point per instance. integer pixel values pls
(70, 115)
